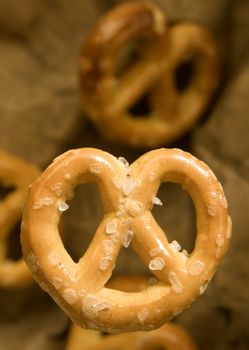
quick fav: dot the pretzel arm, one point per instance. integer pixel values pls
(102, 256)
(151, 244)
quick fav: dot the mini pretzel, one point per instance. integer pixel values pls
(128, 193)
(168, 337)
(18, 174)
(108, 96)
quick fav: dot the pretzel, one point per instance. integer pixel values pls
(108, 95)
(168, 337)
(18, 174)
(128, 193)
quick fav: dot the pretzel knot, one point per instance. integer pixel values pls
(127, 194)
(15, 176)
(133, 55)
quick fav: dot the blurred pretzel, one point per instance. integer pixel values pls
(127, 193)
(113, 82)
(15, 174)
(168, 337)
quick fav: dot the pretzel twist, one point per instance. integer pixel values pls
(17, 174)
(127, 194)
(108, 94)
(168, 337)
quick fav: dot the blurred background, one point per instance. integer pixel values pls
(41, 117)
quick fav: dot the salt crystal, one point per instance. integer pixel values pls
(175, 282)
(213, 194)
(156, 264)
(43, 202)
(127, 238)
(104, 263)
(219, 240)
(196, 267)
(57, 189)
(57, 282)
(212, 211)
(95, 168)
(108, 247)
(103, 306)
(67, 176)
(32, 262)
(142, 315)
(153, 281)
(175, 245)
(53, 258)
(157, 201)
(70, 295)
(61, 205)
(111, 227)
(185, 253)
(155, 251)
(128, 185)
(123, 161)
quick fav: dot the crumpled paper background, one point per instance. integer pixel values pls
(40, 117)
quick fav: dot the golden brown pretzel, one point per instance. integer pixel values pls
(17, 174)
(109, 95)
(168, 337)
(127, 193)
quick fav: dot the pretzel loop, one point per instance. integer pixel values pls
(108, 41)
(127, 194)
(16, 174)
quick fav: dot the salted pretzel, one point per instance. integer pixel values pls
(127, 193)
(15, 174)
(168, 337)
(112, 82)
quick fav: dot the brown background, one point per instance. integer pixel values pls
(40, 117)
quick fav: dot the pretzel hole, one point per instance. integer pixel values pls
(129, 263)
(5, 190)
(79, 223)
(176, 216)
(14, 251)
(142, 108)
(128, 56)
(184, 74)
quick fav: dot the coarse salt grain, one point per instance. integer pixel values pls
(43, 202)
(124, 161)
(61, 205)
(157, 201)
(219, 240)
(142, 315)
(196, 267)
(175, 282)
(127, 238)
(70, 295)
(128, 186)
(175, 245)
(156, 264)
(155, 251)
(111, 227)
